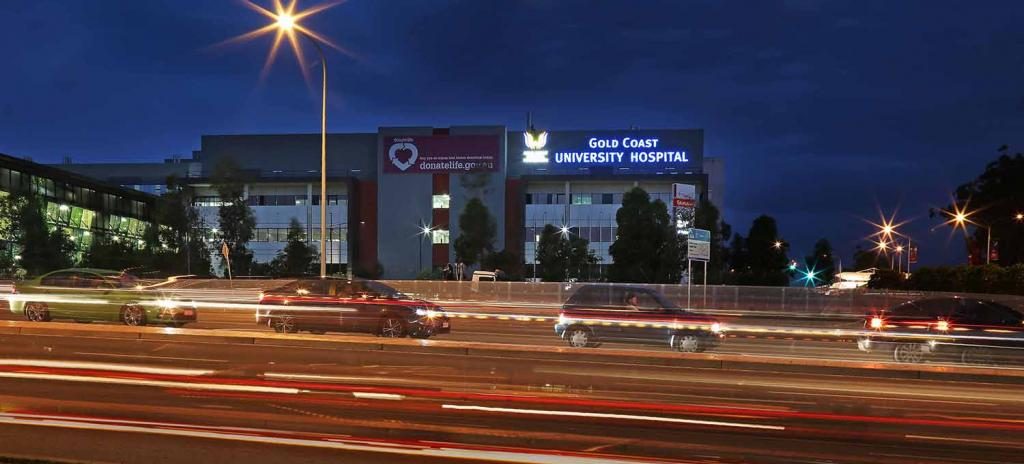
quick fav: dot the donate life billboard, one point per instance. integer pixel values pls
(441, 154)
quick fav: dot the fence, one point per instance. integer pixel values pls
(781, 300)
(793, 301)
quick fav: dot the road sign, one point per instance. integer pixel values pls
(912, 258)
(698, 245)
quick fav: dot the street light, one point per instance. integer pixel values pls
(423, 233)
(777, 245)
(286, 24)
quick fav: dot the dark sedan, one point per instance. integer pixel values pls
(341, 305)
(633, 314)
(967, 329)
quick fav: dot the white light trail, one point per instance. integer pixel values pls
(599, 415)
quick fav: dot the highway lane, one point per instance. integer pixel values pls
(746, 335)
(483, 325)
(60, 396)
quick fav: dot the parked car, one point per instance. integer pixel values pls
(341, 305)
(632, 314)
(968, 329)
(97, 295)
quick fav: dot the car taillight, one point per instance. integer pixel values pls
(877, 322)
(262, 296)
(942, 326)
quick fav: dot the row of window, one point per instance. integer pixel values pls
(590, 233)
(280, 234)
(587, 198)
(272, 200)
(61, 192)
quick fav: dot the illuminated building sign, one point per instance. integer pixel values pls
(644, 151)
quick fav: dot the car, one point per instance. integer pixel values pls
(969, 329)
(321, 305)
(97, 295)
(633, 314)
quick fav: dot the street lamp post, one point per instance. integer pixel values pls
(424, 232)
(286, 23)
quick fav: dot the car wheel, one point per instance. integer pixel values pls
(909, 353)
(284, 324)
(133, 316)
(977, 355)
(580, 337)
(392, 327)
(687, 343)
(37, 312)
(421, 333)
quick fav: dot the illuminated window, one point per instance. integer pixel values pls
(439, 236)
(441, 202)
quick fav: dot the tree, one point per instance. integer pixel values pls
(175, 243)
(821, 262)
(235, 217)
(42, 248)
(708, 217)
(10, 232)
(113, 253)
(867, 259)
(477, 231)
(297, 256)
(995, 198)
(508, 262)
(562, 255)
(646, 248)
(756, 259)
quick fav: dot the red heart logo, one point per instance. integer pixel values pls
(403, 155)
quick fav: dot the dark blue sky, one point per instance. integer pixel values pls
(823, 111)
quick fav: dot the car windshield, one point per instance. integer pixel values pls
(381, 290)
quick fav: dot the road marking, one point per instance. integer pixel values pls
(103, 367)
(143, 356)
(377, 396)
(149, 383)
(601, 415)
(337, 442)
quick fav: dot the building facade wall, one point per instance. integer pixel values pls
(377, 212)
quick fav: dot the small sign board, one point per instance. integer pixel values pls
(698, 245)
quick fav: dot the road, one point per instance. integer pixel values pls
(117, 400)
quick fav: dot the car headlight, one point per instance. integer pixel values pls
(427, 313)
(167, 304)
(716, 328)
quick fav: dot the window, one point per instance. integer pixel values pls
(442, 201)
(582, 199)
(439, 236)
(607, 199)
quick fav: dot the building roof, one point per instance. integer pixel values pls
(50, 172)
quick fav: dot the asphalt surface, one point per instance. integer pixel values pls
(117, 400)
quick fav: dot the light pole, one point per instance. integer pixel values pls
(424, 232)
(536, 248)
(286, 23)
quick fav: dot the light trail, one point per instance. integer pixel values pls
(600, 415)
(422, 449)
(104, 367)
